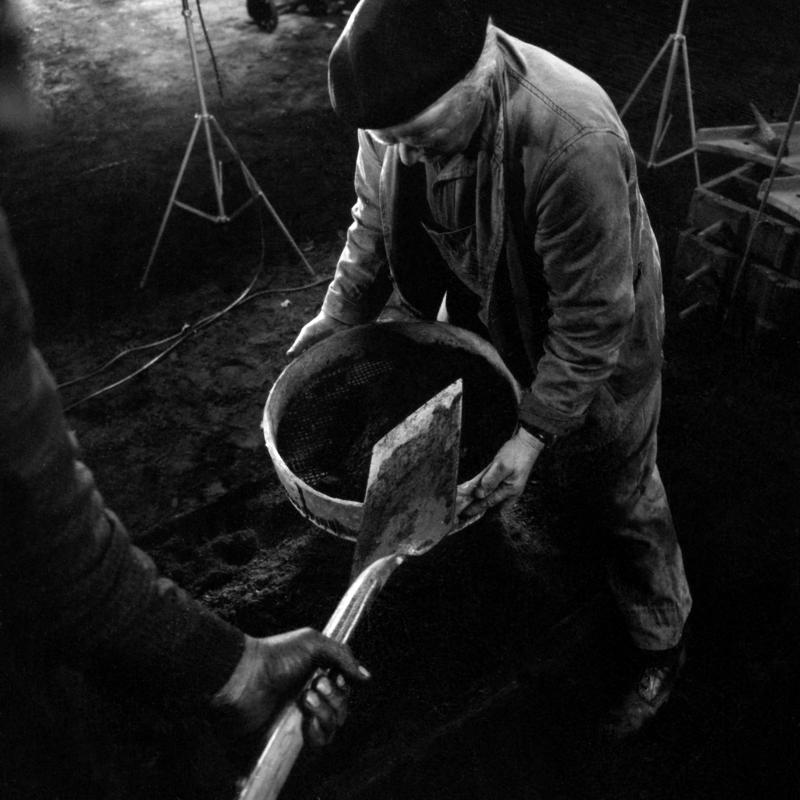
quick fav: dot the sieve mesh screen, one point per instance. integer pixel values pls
(331, 423)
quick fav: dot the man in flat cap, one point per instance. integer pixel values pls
(497, 190)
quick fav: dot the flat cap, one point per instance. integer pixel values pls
(394, 58)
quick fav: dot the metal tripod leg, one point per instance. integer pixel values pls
(679, 48)
(257, 192)
(205, 120)
(645, 77)
(171, 203)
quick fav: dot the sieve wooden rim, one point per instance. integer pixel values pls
(335, 515)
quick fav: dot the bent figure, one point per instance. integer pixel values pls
(496, 189)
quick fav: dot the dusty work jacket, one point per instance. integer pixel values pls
(560, 252)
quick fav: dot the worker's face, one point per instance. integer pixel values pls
(442, 129)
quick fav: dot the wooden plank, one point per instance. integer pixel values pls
(784, 195)
(703, 274)
(772, 306)
(737, 141)
(732, 199)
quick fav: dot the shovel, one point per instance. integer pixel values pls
(410, 505)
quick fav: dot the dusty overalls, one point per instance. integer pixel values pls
(615, 474)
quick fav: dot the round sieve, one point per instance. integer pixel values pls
(328, 408)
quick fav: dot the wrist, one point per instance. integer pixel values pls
(237, 685)
(531, 443)
(243, 705)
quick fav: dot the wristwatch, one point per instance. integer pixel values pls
(545, 437)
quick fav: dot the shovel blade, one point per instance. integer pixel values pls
(410, 502)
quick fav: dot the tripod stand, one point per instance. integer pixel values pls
(207, 123)
(678, 42)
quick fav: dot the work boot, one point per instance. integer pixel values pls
(653, 676)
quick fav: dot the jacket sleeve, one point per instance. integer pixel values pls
(361, 285)
(582, 219)
(71, 584)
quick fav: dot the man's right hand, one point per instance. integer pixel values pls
(315, 331)
(272, 671)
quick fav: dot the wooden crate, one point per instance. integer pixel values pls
(771, 312)
(703, 275)
(730, 202)
(768, 315)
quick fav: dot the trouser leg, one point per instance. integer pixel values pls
(645, 566)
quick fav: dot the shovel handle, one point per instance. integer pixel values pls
(277, 759)
(285, 737)
(359, 597)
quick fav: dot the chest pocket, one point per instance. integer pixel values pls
(459, 250)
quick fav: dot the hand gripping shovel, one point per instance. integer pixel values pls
(409, 507)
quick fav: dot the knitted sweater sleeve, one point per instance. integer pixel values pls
(71, 583)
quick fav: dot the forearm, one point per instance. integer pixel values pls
(71, 584)
(361, 285)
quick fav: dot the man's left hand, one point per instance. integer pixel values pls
(504, 480)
